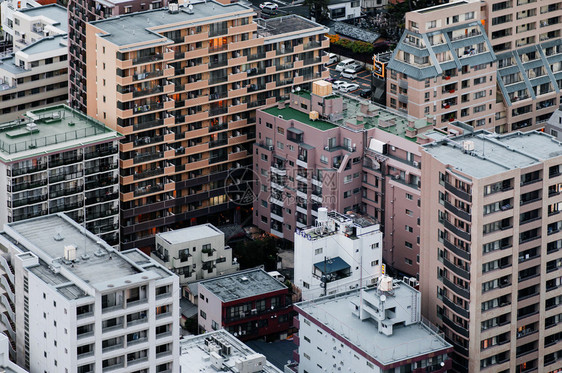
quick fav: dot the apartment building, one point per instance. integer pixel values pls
(525, 36)
(377, 329)
(79, 14)
(6, 365)
(195, 253)
(59, 160)
(490, 259)
(517, 44)
(249, 304)
(444, 67)
(187, 83)
(83, 306)
(221, 351)
(10, 9)
(342, 252)
(36, 73)
(318, 149)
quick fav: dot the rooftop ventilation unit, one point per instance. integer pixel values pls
(70, 252)
(173, 8)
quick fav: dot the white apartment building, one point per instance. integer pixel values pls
(32, 24)
(83, 306)
(377, 329)
(343, 252)
(36, 74)
(195, 253)
(7, 10)
(221, 351)
(7, 366)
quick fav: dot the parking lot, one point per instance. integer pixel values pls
(363, 79)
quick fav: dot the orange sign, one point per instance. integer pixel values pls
(379, 68)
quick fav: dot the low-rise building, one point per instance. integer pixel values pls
(249, 304)
(195, 253)
(81, 305)
(343, 252)
(221, 351)
(378, 329)
(8, 10)
(59, 160)
(6, 365)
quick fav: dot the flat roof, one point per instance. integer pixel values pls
(406, 342)
(285, 24)
(195, 355)
(190, 234)
(383, 118)
(47, 44)
(441, 7)
(50, 129)
(494, 154)
(289, 113)
(97, 264)
(243, 284)
(55, 12)
(137, 27)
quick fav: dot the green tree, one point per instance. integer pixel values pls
(319, 10)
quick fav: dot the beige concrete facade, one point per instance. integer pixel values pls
(185, 97)
(490, 258)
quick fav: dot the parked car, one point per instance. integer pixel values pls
(356, 67)
(344, 64)
(330, 80)
(366, 93)
(332, 58)
(338, 83)
(349, 74)
(269, 5)
(348, 87)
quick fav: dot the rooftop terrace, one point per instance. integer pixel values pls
(494, 154)
(376, 116)
(242, 285)
(406, 342)
(283, 25)
(49, 129)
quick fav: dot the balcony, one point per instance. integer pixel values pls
(465, 293)
(146, 157)
(149, 58)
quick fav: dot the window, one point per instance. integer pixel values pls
(128, 9)
(203, 314)
(374, 263)
(409, 196)
(323, 159)
(409, 229)
(318, 251)
(408, 245)
(268, 125)
(408, 261)
(409, 212)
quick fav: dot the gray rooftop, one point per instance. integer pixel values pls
(190, 234)
(194, 357)
(136, 27)
(97, 264)
(242, 284)
(494, 154)
(406, 342)
(54, 12)
(286, 24)
(48, 130)
(47, 44)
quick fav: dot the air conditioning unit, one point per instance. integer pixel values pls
(270, 147)
(415, 163)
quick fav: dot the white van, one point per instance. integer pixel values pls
(344, 64)
(349, 74)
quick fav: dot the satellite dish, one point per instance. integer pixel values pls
(190, 7)
(383, 298)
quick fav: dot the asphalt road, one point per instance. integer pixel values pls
(363, 79)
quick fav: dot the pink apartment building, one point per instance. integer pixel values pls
(358, 157)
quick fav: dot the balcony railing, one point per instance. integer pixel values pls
(149, 58)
